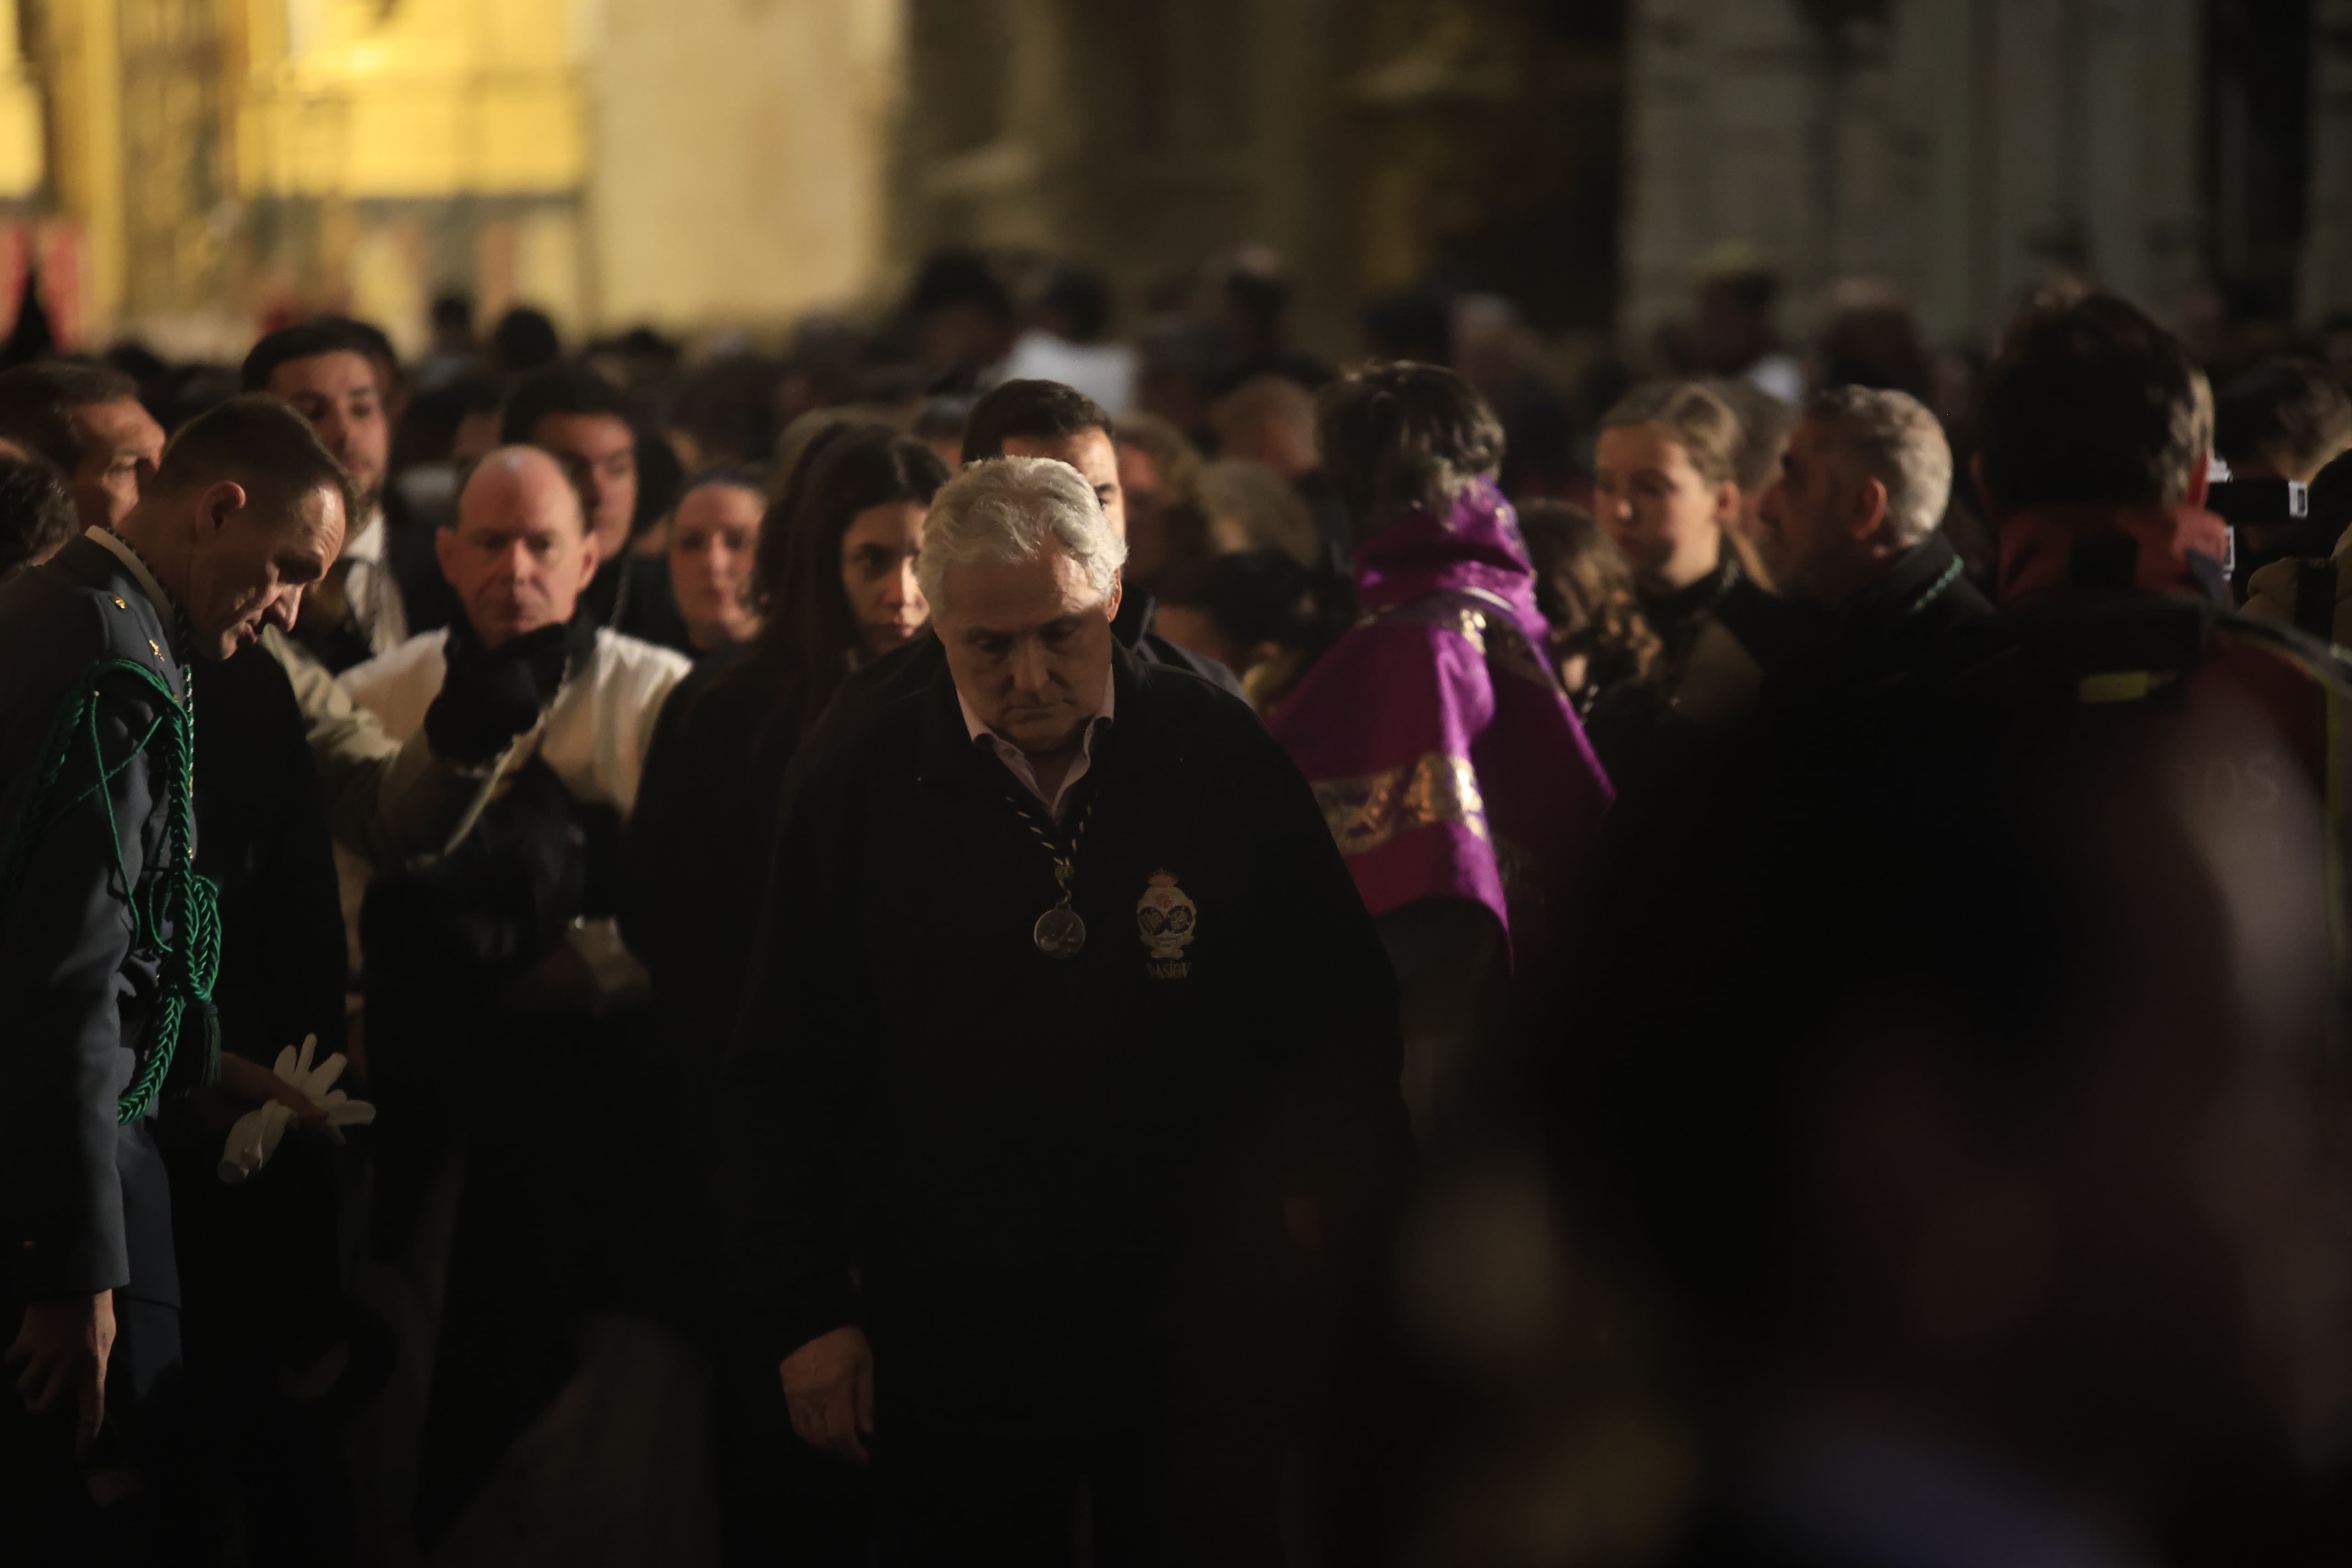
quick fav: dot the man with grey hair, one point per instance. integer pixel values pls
(1850, 529)
(1066, 1005)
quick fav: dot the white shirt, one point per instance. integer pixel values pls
(371, 590)
(1104, 372)
(1017, 761)
(1781, 375)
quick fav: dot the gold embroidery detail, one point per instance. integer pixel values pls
(152, 648)
(1494, 638)
(1365, 813)
(1511, 653)
(120, 605)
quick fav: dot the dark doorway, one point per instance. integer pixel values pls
(2258, 150)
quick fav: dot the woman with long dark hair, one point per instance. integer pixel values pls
(832, 582)
(837, 585)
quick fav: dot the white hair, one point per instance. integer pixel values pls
(1893, 439)
(1015, 508)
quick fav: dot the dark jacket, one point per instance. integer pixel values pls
(1012, 1148)
(83, 1203)
(695, 852)
(632, 593)
(1680, 615)
(922, 663)
(1920, 624)
(262, 828)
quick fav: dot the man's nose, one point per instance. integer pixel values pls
(335, 436)
(283, 608)
(1029, 665)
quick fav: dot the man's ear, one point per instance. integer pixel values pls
(1117, 593)
(592, 556)
(445, 546)
(221, 500)
(1869, 508)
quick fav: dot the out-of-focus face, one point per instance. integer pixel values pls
(517, 554)
(1143, 499)
(711, 541)
(1665, 518)
(2126, 1248)
(1189, 627)
(1802, 516)
(1029, 644)
(959, 337)
(120, 445)
(878, 550)
(1096, 458)
(609, 446)
(338, 393)
(248, 567)
(1730, 333)
(477, 438)
(2204, 1175)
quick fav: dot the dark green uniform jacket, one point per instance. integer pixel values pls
(84, 1202)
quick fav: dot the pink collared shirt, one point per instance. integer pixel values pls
(1017, 761)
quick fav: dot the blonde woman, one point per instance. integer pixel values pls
(1666, 489)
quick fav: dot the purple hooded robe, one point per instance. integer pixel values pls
(1438, 739)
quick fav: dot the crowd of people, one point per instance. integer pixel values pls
(980, 944)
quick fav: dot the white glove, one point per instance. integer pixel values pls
(255, 1136)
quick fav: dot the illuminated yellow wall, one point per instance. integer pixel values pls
(688, 162)
(427, 99)
(21, 162)
(79, 70)
(740, 156)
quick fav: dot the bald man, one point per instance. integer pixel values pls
(519, 553)
(497, 979)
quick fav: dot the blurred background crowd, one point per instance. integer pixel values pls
(747, 267)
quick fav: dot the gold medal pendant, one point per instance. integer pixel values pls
(1060, 932)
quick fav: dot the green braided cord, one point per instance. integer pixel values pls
(179, 918)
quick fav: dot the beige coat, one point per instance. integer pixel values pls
(2270, 592)
(389, 803)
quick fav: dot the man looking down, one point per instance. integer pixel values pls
(1054, 960)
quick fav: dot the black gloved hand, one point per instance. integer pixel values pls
(488, 696)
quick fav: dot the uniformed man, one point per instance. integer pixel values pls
(1042, 952)
(107, 936)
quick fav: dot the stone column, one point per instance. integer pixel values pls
(2328, 248)
(82, 63)
(1725, 147)
(739, 158)
(22, 164)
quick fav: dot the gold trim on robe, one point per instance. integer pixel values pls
(1367, 812)
(1492, 636)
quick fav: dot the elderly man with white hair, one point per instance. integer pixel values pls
(1065, 1004)
(1851, 527)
